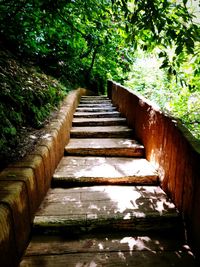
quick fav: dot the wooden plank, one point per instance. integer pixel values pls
(83, 101)
(104, 170)
(112, 114)
(98, 121)
(104, 147)
(101, 132)
(96, 102)
(107, 208)
(104, 242)
(96, 105)
(112, 259)
(168, 251)
(95, 109)
(94, 97)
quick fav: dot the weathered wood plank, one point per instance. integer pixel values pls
(108, 250)
(107, 208)
(98, 121)
(119, 259)
(104, 170)
(96, 105)
(113, 114)
(83, 101)
(96, 102)
(103, 242)
(95, 98)
(95, 109)
(101, 132)
(104, 147)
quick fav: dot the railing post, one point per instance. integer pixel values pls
(109, 89)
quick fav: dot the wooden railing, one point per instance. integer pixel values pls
(24, 184)
(171, 149)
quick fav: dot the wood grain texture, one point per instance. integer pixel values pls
(105, 170)
(96, 109)
(96, 105)
(101, 132)
(120, 259)
(87, 209)
(171, 148)
(108, 250)
(112, 114)
(104, 146)
(98, 121)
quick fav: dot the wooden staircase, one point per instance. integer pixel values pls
(105, 207)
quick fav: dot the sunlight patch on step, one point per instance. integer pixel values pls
(101, 247)
(136, 243)
(162, 205)
(135, 203)
(98, 171)
(125, 201)
(90, 264)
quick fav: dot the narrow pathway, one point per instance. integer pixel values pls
(105, 207)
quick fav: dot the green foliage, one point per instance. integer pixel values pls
(166, 27)
(154, 83)
(26, 100)
(77, 41)
(85, 42)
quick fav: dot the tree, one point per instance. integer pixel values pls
(85, 40)
(67, 38)
(165, 26)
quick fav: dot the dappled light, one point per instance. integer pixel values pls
(96, 205)
(84, 171)
(111, 250)
(107, 211)
(96, 169)
(136, 243)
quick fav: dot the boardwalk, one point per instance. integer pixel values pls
(105, 207)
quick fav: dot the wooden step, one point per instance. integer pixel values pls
(101, 132)
(108, 249)
(107, 208)
(95, 109)
(113, 114)
(96, 105)
(97, 101)
(104, 170)
(98, 121)
(104, 147)
(94, 97)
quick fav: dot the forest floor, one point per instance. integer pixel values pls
(29, 99)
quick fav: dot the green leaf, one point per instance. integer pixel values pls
(164, 64)
(179, 49)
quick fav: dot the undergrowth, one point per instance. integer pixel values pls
(27, 98)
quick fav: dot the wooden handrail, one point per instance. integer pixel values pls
(171, 149)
